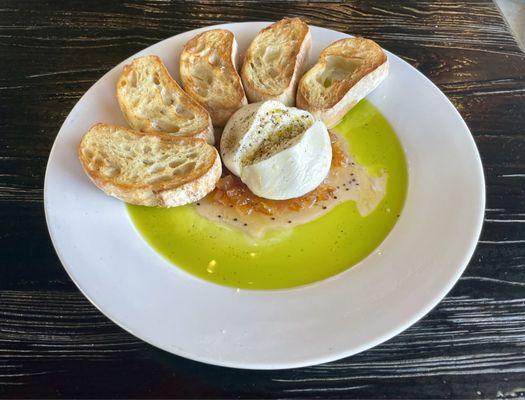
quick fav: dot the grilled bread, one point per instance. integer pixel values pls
(152, 101)
(347, 71)
(208, 73)
(149, 169)
(275, 61)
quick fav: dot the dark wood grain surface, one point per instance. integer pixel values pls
(54, 343)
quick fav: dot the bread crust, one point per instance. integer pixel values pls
(167, 193)
(213, 54)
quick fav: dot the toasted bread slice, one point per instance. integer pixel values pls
(275, 61)
(208, 73)
(347, 71)
(149, 169)
(152, 101)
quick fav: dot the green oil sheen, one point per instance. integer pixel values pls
(304, 254)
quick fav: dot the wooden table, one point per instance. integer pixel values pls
(54, 343)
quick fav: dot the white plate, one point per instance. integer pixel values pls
(391, 289)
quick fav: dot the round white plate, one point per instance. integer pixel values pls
(391, 289)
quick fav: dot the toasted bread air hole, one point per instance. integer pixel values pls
(337, 68)
(214, 58)
(202, 72)
(96, 162)
(271, 54)
(202, 90)
(183, 112)
(132, 79)
(156, 79)
(165, 126)
(199, 47)
(167, 98)
(110, 170)
(175, 164)
(273, 72)
(184, 168)
(101, 164)
(159, 179)
(88, 154)
(156, 169)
